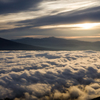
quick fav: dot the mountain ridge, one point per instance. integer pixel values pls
(60, 43)
(11, 45)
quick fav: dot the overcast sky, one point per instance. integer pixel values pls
(70, 19)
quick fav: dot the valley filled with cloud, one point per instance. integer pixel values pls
(49, 75)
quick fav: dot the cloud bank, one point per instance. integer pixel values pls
(47, 75)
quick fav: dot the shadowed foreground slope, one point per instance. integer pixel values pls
(10, 45)
(98, 98)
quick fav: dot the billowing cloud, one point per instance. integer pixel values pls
(49, 75)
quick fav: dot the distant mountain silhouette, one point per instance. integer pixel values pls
(10, 45)
(60, 44)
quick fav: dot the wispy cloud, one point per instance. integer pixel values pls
(77, 16)
(20, 15)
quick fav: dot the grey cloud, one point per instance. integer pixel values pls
(17, 5)
(72, 17)
(15, 29)
(91, 14)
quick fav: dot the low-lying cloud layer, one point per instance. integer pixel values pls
(47, 75)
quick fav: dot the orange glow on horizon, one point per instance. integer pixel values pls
(80, 26)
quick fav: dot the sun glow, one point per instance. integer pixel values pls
(87, 25)
(73, 26)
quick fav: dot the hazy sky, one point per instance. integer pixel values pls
(70, 19)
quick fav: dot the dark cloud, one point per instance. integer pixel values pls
(15, 29)
(91, 14)
(72, 17)
(17, 5)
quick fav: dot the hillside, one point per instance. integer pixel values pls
(60, 44)
(10, 45)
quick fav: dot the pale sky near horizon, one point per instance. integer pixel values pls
(70, 19)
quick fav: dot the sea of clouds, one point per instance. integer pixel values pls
(49, 75)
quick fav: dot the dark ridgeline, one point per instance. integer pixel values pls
(60, 44)
(50, 43)
(11, 45)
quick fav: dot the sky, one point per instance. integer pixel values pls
(69, 19)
